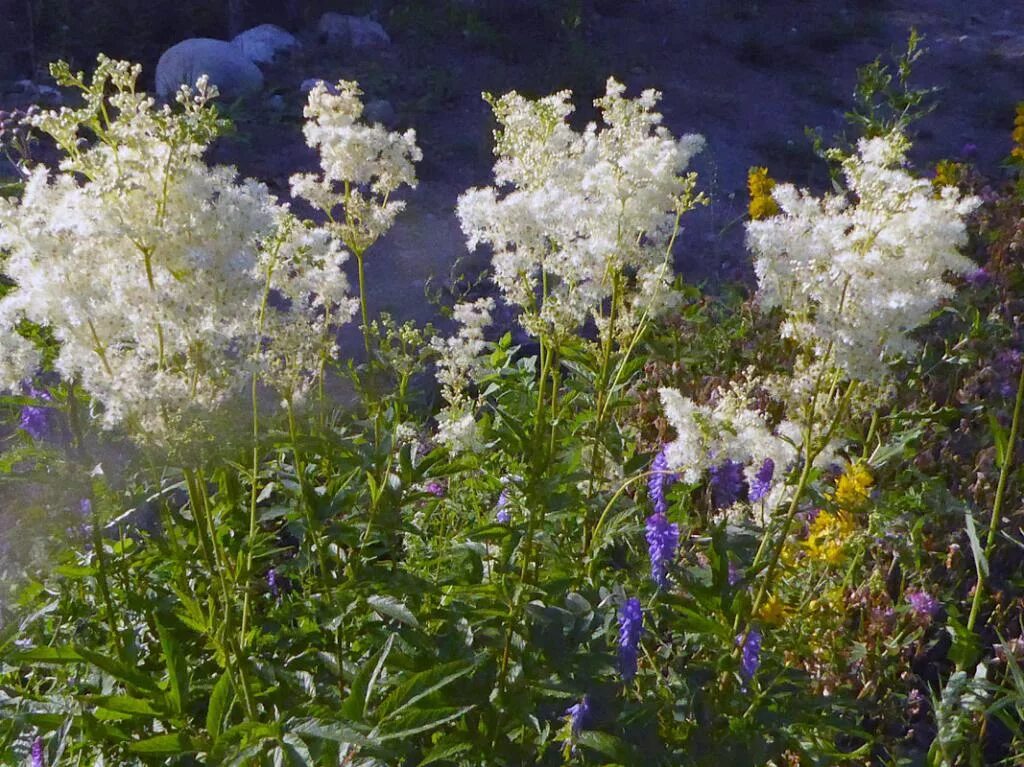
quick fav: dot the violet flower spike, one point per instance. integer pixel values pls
(272, 583)
(762, 483)
(504, 516)
(727, 484)
(662, 542)
(37, 753)
(35, 420)
(751, 656)
(660, 480)
(631, 625)
(579, 716)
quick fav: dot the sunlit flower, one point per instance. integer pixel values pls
(631, 622)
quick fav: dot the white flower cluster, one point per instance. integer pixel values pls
(362, 165)
(167, 284)
(573, 217)
(728, 429)
(854, 278)
(460, 363)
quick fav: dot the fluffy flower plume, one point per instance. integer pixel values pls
(580, 217)
(461, 362)
(362, 165)
(854, 278)
(727, 430)
(153, 270)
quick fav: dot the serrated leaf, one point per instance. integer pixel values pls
(607, 745)
(420, 685)
(355, 705)
(389, 607)
(177, 669)
(979, 553)
(220, 702)
(172, 744)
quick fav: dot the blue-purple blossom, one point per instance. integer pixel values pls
(751, 656)
(504, 515)
(762, 483)
(662, 542)
(37, 753)
(272, 584)
(436, 489)
(660, 480)
(35, 420)
(735, 575)
(631, 625)
(977, 277)
(579, 716)
(727, 483)
(923, 604)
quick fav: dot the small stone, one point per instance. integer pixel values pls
(262, 44)
(380, 111)
(225, 64)
(354, 32)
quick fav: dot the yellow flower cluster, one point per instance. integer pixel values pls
(760, 185)
(828, 535)
(1018, 133)
(853, 487)
(947, 173)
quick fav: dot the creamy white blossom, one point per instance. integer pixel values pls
(361, 165)
(575, 219)
(167, 284)
(460, 363)
(854, 277)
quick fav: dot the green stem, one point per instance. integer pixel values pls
(1004, 475)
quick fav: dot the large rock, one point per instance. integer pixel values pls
(225, 64)
(343, 31)
(264, 43)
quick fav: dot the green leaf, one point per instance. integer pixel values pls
(177, 672)
(445, 749)
(355, 705)
(336, 732)
(125, 704)
(979, 553)
(172, 745)
(422, 720)
(420, 685)
(389, 607)
(607, 745)
(220, 702)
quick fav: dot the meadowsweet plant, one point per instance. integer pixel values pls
(361, 168)
(155, 276)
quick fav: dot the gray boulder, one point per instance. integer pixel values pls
(225, 64)
(264, 43)
(343, 31)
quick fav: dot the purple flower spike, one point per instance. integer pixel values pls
(662, 542)
(37, 753)
(579, 716)
(660, 480)
(979, 276)
(751, 659)
(272, 584)
(924, 605)
(727, 484)
(631, 625)
(762, 483)
(436, 489)
(504, 516)
(35, 420)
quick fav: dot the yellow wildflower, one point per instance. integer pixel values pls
(947, 173)
(1018, 132)
(773, 612)
(853, 487)
(760, 185)
(828, 535)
